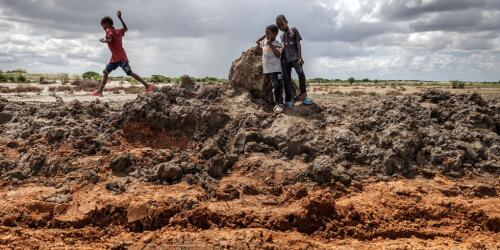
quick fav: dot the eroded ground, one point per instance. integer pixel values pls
(207, 167)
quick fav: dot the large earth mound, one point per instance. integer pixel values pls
(207, 166)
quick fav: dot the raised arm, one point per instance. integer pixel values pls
(260, 39)
(119, 14)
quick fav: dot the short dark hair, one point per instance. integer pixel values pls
(107, 20)
(273, 28)
(281, 17)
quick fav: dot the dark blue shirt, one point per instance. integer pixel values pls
(289, 40)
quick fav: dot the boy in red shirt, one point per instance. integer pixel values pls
(118, 55)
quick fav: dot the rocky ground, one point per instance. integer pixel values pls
(196, 167)
(209, 166)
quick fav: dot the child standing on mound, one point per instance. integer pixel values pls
(118, 55)
(271, 63)
(291, 58)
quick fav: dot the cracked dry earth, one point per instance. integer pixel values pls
(197, 167)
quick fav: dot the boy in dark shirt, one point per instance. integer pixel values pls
(118, 55)
(292, 58)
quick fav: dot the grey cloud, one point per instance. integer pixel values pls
(409, 9)
(174, 37)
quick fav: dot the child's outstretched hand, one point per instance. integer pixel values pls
(119, 14)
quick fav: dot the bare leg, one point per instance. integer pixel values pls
(138, 78)
(103, 83)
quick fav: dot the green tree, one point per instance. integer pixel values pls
(351, 80)
(21, 78)
(457, 84)
(91, 75)
(158, 79)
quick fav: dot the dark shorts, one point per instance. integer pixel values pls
(124, 65)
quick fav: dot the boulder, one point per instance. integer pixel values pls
(247, 74)
(121, 163)
(168, 172)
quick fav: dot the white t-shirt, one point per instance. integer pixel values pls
(270, 62)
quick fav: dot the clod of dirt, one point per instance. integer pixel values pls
(210, 149)
(121, 163)
(96, 108)
(227, 193)
(292, 136)
(3, 103)
(321, 169)
(117, 187)
(31, 163)
(55, 135)
(217, 166)
(318, 211)
(5, 117)
(167, 172)
(60, 198)
(209, 92)
(246, 73)
(188, 84)
(12, 144)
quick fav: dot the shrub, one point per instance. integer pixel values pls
(159, 79)
(91, 75)
(457, 84)
(3, 78)
(351, 80)
(21, 78)
(63, 77)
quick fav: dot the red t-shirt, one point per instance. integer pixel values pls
(117, 52)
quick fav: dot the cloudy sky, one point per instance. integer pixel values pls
(383, 39)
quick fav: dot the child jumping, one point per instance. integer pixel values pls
(118, 55)
(292, 58)
(271, 63)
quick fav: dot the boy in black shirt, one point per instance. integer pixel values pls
(292, 58)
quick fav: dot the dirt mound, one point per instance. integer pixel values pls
(202, 159)
(246, 73)
(176, 111)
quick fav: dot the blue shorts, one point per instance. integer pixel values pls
(124, 65)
